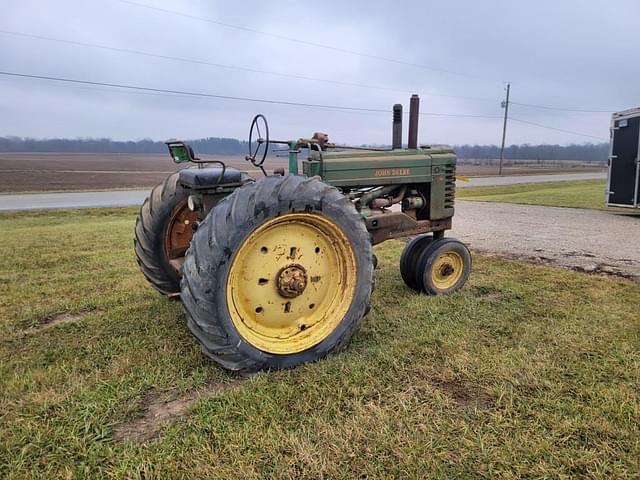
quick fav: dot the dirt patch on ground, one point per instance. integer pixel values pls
(465, 395)
(51, 321)
(488, 294)
(159, 408)
(604, 269)
(591, 268)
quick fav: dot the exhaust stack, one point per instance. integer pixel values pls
(397, 127)
(414, 111)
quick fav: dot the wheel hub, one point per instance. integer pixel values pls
(178, 235)
(446, 270)
(291, 281)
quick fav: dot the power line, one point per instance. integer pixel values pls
(277, 102)
(304, 42)
(227, 97)
(557, 129)
(280, 74)
(169, 95)
(165, 92)
(353, 52)
(231, 67)
(562, 109)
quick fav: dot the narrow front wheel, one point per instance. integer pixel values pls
(409, 260)
(443, 267)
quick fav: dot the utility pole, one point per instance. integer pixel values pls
(505, 105)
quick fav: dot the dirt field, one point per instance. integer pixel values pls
(40, 172)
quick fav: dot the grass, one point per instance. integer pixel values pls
(529, 371)
(575, 194)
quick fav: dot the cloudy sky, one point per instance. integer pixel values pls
(458, 55)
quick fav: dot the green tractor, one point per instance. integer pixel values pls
(277, 271)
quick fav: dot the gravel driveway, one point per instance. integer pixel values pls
(586, 240)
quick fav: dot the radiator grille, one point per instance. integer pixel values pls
(449, 186)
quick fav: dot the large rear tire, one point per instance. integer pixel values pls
(163, 232)
(279, 273)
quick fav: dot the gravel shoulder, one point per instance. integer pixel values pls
(592, 241)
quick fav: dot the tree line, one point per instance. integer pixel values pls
(232, 146)
(589, 152)
(213, 145)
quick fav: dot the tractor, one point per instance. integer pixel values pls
(278, 271)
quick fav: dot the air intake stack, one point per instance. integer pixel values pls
(414, 111)
(397, 127)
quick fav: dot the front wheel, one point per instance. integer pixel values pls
(279, 273)
(443, 267)
(409, 260)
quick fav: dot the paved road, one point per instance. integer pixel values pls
(38, 201)
(515, 179)
(123, 198)
(586, 240)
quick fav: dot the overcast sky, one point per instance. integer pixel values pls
(573, 54)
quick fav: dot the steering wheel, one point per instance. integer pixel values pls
(260, 141)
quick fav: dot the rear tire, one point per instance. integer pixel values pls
(244, 287)
(164, 208)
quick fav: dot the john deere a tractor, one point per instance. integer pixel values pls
(277, 271)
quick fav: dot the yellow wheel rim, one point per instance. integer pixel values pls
(447, 270)
(291, 283)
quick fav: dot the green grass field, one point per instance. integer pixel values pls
(529, 371)
(575, 194)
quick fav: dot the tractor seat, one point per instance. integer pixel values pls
(210, 177)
